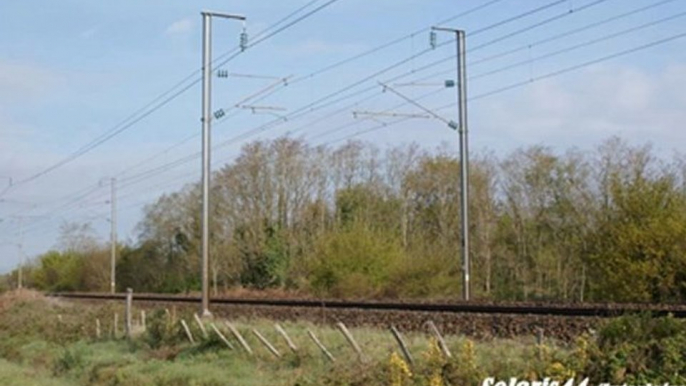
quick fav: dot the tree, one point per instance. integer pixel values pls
(59, 271)
(638, 251)
(75, 237)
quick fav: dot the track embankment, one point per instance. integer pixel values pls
(476, 319)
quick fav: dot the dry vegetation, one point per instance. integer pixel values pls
(48, 342)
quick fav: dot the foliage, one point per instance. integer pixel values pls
(159, 330)
(598, 225)
(638, 248)
(81, 264)
(353, 262)
(640, 349)
(398, 371)
(58, 272)
(70, 359)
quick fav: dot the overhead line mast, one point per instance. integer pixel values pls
(206, 131)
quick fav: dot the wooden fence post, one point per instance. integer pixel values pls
(128, 312)
(439, 338)
(221, 336)
(188, 331)
(403, 346)
(285, 336)
(266, 343)
(201, 325)
(349, 337)
(320, 345)
(143, 321)
(539, 342)
(238, 336)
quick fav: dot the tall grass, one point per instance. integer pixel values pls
(47, 342)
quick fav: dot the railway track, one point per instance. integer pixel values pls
(581, 310)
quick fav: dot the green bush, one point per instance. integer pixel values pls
(160, 331)
(354, 263)
(409, 277)
(71, 359)
(640, 349)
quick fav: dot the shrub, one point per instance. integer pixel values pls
(640, 349)
(159, 330)
(71, 359)
(355, 262)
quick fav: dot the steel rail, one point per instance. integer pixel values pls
(586, 310)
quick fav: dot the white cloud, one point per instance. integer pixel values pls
(21, 80)
(180, 27)
(89, 33)
(22, 85)
(584, 109)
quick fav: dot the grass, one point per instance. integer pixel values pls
(47, 342)
(12, 374)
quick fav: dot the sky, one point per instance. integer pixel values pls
(560, 73)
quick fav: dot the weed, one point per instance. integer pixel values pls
(640, 349)
(632, 349)
(70, 359)
(399, 373)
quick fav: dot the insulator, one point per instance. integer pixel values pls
(244, 40)
(219, 113)
(449, 83)
(223, 74)
(432, 39)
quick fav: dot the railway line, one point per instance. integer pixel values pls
(533, 309)
(474, 319)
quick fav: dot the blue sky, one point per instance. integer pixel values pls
(70, 72)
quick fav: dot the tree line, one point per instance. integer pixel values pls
(606, 224)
